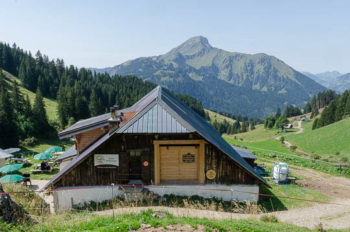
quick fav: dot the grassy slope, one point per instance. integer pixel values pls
(50, 105)
(129, 222)
(218, 117)
(326, 140)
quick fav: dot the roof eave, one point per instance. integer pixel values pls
(70, 133)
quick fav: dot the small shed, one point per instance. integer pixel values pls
(246, 155)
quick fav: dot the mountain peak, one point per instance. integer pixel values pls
(197, 40)
(192, 46)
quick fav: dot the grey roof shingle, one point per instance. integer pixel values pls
(161, 104)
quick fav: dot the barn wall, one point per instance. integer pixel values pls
(227, 171)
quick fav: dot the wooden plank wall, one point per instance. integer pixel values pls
(227, 171)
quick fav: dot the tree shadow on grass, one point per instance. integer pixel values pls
(270, 203)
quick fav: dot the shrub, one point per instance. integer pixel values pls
(344, 159)
(293, 148)
(315, 156)
(31, 141)
(282, 139)
(337, 153)
(269, 218)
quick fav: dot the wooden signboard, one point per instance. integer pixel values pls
(106, 159)
(211, 174)
(188, 158)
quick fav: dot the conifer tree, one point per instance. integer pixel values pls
(39, 115)
(347, 107)
(8, 128)
(95, 105)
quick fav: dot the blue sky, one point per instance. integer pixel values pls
(308, 35)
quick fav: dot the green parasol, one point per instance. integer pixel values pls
(53, 149)
(11, 178)
(43, 156)
(11, 168)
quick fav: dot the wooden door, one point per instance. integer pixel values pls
(188, 163)
(178, 163)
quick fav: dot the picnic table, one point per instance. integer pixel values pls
(19, 160)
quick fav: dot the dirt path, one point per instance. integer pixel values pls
(38, 185)
(301, 130)
(288, 144)
(332, 216)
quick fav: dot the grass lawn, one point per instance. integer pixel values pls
(218, 117)
(290, 190)
(266, 145)
(260, 134)
(326, 140)
(44, 144)
(128, 222)
(50, 105)
(40, 148)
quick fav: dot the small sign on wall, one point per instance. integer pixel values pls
(106, 159)
(188, 158)
(211, 174)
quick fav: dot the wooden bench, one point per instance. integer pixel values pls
(37, 171)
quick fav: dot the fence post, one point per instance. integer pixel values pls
(42, 213)
(113, 201)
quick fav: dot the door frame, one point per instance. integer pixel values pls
(199, 142)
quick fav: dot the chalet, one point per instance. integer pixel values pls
(158, 143)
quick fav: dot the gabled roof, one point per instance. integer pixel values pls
(69, 153)
(102, 120)
(153, 110)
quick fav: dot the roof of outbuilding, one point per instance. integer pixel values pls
(244, 153)
(156, 104)
(69, 153)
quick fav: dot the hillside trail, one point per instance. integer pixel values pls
(288, 144)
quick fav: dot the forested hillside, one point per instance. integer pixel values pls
(337, 109)
(79, 94)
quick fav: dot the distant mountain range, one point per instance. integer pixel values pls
(253, 85)
(332, 80)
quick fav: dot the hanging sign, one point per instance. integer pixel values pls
(145, 163)
(211, 174)
(188, 158)
(106, 159)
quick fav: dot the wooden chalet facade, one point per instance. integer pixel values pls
(157, 141)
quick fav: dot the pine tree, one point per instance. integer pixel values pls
(315, 124)
(8, 128)
(347, 107)
(39, 115)
(95, 105)
(17, 99)
(278, 113)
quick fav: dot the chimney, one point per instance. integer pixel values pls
(115, 118)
